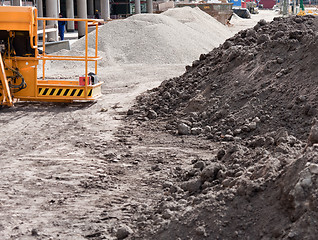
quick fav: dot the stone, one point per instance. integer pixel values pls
(239, 173)
(313, 135)
(156, 167)
(279, 60)
(313, 168)
(246, 128)
(256, 120)
(193, 115)
(279, 75)
(281, 136)
(207, 129)
(257, 27)
(123, 231)
(269, 141)
(184, 129)
(300, 99)
(228, 138)
(130, 112)
(237, 131)
(229, 131)
(174, 189)
(258, 142)
(220, 154)
(282, 148)
(227, 44)
(262, 22)
(192, 185)
(166, 214)
(251, 33)
(152, 114)
(209, 173)
(277, 35)
(252, 125)
(167, 185)
(201, 231)
(34, 232)
(200, 165)
(171, 205)
(196, 131)
(166, 95)
(263, 38)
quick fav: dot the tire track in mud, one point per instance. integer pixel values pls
(43, 185)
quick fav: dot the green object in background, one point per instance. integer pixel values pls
(302, 5)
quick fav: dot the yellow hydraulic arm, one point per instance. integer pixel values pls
(7, 99)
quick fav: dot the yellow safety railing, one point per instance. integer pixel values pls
(44, 57)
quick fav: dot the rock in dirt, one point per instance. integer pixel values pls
(313, 135)
(184, 129)
(193, 185)
(199, 164)
(34, 232)
(152, 114)
(210, 172)
(167, 214)
(220, 154)
(123, 231)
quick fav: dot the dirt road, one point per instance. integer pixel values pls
(64, 175)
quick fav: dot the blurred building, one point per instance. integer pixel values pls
(86, 8)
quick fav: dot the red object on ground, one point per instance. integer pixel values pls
(268, 3)
(82, 81)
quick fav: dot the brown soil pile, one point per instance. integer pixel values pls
(257, 93)
(269, 200)
(258, 81)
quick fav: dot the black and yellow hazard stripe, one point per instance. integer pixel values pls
(63, 92)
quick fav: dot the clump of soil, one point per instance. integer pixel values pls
(261, 80)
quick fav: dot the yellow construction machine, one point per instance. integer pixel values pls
(19, 59)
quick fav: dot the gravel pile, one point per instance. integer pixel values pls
(176, 36)
(261, 80)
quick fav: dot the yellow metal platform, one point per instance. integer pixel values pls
(20, 57)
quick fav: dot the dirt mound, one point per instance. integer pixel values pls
(261, 80)
(257, 95)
